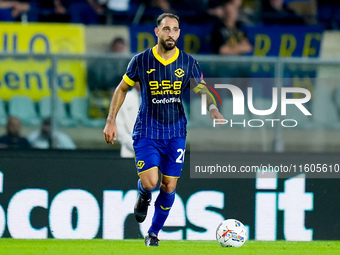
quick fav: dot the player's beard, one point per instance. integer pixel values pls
(167, 46)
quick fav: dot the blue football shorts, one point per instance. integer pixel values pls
(166, 154)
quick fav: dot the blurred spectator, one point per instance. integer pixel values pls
(59, 7)
(119, 12)
(227, 38)
(194, 11)
(80, 11)
(121, 5)
(103, 76)
(197, 6)
(305, 9)
(126, 120)
(118, 45)
(12, 10)
(52, 11)
(246, 16)
(276, 12)
(163, 5)
(13, 139)
(154, 8)
(42, 138)
(329, 13)
(215, 9)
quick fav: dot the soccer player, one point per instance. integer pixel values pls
(159, 133)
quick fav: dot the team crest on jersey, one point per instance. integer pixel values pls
(140, 164)
(179, 72)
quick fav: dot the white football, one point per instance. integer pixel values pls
(231, 233)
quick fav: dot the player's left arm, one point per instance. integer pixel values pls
(211, 107)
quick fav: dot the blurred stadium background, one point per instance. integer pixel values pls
(60, 65)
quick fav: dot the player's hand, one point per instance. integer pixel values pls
(110, 132)
(215, 114)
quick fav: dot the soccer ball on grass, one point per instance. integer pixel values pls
(231, 233)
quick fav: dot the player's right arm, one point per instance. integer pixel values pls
(110, 130)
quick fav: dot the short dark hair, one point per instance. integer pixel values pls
(166, 15)
(118, 40)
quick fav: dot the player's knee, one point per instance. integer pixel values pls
(149, 179)
(150, 184)
(169, 187)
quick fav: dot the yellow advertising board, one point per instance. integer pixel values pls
(33, 76)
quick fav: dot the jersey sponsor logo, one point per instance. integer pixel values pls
(165, 87)
(140, 164)
(166, 100)
(150, 71)
(179, 72)
(166, 92)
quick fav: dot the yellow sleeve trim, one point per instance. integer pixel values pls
(128, 80)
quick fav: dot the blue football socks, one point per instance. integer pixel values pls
(163, 205)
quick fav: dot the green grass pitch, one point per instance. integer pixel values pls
(137, 247)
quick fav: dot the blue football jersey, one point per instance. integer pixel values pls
(161, 113)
